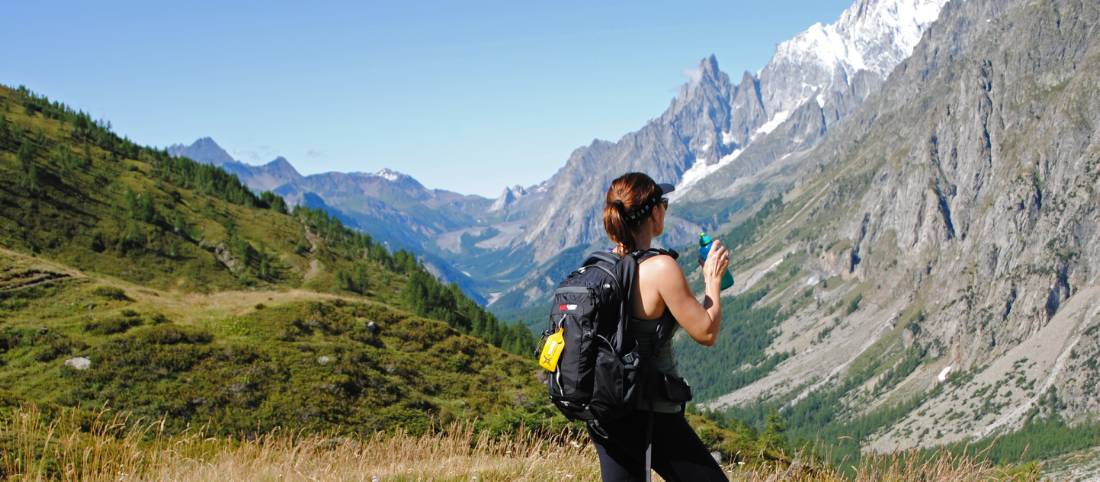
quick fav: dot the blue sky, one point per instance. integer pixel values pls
(466, 96)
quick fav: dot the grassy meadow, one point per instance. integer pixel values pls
(109, 446)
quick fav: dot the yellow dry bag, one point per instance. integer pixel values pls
(551, 350)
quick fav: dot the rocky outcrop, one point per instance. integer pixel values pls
(964, 192)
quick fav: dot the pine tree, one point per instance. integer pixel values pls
(87, 159)
(273, 201)
(774, 438)
(133, 238)
(28, 172)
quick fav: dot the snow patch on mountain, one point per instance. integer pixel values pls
(872, 35)
(389, 175)
(728, 138)
(774, 122)
(825, 44)
(699, 170)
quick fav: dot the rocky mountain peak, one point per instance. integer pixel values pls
(281, 169)
(508, 197)
(704, 80)
(865, 23)
(872, 35)
(708, 66)
(204, 150)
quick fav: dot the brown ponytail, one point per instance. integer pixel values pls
(629, 199)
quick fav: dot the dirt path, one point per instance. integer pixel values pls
(314, 269)
(178, 305)
(315, 265)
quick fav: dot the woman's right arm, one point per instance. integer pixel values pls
(700, 321)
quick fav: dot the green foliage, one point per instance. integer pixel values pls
(853, 303)
(274, 202)
(111, 293)
(912, 359)
(343, 242)
(820, 421)
(1038, 439)
(202, 178)
(774, 438)
(313, 366)
(27, 173)
(734, 440)
(746, 232)
(745, 334)
(426, 296)
(85, 200)
(114, 324)
(355, 281)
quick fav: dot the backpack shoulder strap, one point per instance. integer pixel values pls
(597, 256)
(625, 271)
(644, 254)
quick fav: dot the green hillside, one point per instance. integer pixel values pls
(192, 297)
(134, 281)
(85, 197)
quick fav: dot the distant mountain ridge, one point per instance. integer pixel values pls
(258, 178)
(713, 140)
(391, 206)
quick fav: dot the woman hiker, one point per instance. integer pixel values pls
(634, 214)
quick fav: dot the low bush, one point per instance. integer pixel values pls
(111, 293)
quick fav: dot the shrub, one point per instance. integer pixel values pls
(170, 334)
(853, 304)
(111, 326)
(111, 293)
(56, 346)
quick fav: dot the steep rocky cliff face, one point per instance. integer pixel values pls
(946, 235)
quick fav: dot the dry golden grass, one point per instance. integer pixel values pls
(113, 447)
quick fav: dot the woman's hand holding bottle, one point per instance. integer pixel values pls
(718, 261)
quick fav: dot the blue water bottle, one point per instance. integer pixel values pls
(705, 242)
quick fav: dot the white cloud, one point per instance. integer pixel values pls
(694, 74)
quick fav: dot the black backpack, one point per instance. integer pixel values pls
(599, 370)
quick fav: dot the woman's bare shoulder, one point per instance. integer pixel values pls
(663, 264)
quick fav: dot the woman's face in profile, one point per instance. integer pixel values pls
(658, 219)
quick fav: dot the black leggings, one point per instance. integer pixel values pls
(678, 454)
